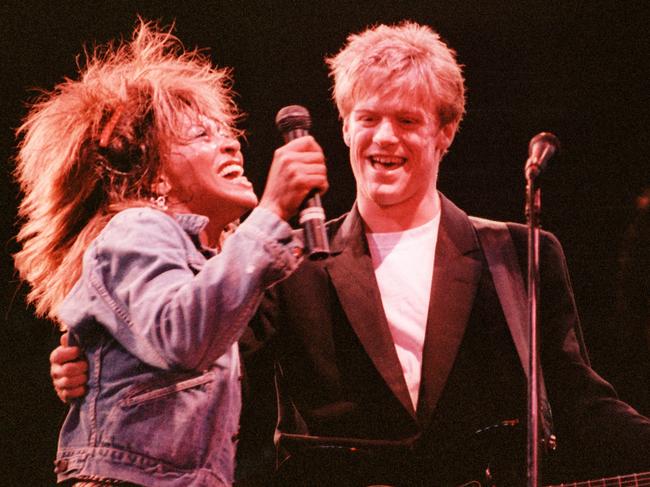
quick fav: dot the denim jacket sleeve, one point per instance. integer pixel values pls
(146, 283)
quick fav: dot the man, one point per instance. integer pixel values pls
(395, 350)
(400, 335)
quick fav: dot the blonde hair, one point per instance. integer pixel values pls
(409, 57)
(96, 145)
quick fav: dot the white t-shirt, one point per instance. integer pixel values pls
(403, 263)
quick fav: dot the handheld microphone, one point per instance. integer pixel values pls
(540, 149)
(294, 121)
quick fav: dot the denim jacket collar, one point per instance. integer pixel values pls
(191, 222)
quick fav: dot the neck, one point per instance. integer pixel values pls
(211, 235)
(397, 218)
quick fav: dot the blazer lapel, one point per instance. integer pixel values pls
(353, 277)
(457, 269)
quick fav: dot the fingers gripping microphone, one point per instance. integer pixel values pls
(540, 149)
(294, 121)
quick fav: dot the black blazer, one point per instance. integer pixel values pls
(338, 374)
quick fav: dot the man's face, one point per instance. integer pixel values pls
(395, 150)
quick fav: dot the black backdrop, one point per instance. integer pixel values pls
(572, 67)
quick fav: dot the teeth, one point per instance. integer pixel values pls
(231, 171)
(387, 160)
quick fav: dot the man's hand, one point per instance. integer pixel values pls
(68, 369)
(297, 168)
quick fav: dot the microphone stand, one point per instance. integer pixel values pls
(533, 210)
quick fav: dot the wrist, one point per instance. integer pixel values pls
(275, 208)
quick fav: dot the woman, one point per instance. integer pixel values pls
(132, 176)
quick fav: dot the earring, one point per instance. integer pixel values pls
(160, 202)
(160, 189)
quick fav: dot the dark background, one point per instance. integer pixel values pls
(576, 68)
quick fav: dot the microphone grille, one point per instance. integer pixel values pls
(545, 140)
(293, 117)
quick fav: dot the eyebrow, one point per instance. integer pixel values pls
(416, 113)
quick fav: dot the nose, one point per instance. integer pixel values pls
(385, 133)
(230, 145)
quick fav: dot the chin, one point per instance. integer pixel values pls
(243, 205)
(246, 200)
(250, 202)
(386, 199)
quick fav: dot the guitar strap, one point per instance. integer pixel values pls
(501, 257)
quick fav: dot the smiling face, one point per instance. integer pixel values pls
(205, 172)
(395, 151)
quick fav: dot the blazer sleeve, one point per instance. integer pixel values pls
(601, 429)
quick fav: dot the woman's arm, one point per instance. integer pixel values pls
(153, 292)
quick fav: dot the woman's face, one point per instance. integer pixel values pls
(206, 174)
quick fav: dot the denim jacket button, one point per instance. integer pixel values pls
(60, 466)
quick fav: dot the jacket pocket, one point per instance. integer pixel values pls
(164, 421)
(145, 393)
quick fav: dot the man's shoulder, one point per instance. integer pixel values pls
(335, 223)
(515, 228)
(332, 226)
(519, 234)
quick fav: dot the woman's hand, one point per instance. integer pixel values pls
(297, 168)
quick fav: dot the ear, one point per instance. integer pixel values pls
(162, 186)
(346, 133)
(446, 136)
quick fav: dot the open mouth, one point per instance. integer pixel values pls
(231, 171)
(387, 162)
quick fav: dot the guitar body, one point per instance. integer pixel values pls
(484, 459)
(491, 457)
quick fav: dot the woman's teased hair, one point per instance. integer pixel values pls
(408, 57)
(97, 144)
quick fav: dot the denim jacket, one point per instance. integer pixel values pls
(159, 318)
